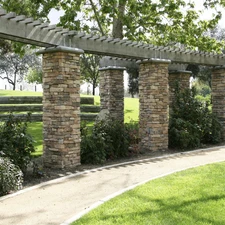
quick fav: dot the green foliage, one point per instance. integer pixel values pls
(108, 139)
(164, 22)
(16, 143)
(191, 122)
(133, 81)
(200, 97)
(11, 177)
(13, 67)
(34, 76)
(90, 69)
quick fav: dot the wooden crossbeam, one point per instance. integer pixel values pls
(19, 28)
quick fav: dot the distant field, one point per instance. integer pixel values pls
(131, 113)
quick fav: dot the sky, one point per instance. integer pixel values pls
(55, 15)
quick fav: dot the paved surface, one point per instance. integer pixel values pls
(57, 201)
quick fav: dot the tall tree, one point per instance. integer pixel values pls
(203, 74)
(13, 68)
(164, 22)
(133, 81)
(90, 70)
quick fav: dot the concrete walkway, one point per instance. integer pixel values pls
(57, 201)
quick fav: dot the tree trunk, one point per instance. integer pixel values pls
(93, 88)
(14, 82)
(117, 31)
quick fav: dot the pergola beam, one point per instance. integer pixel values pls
(26, 30)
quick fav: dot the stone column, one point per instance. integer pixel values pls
(218, 95)
(112, 91)
(61, 107)
(154, 104)
(181, 77)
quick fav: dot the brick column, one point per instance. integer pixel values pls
(112, 91)
(61, 107)
(183, 79)
(218, 95)
(154, 104)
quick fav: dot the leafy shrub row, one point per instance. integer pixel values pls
(108, 139)
(16, 146)
(16, 143)
(11, 177)
(191, 122)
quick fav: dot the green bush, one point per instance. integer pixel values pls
(108, 139)
(191, 122)
(16, 143)
(11, 177)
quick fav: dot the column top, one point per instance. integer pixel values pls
(154, 60)
(219, 67)
(112, 68)
(180, 71)
(61, 49)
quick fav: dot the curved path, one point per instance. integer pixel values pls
(57, 201)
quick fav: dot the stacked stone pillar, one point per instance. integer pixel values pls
(61, 107)
(180, 77)
(218, 95)
(112, 91)
(154, 104)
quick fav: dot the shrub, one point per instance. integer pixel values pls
(133, 131)
(16, 143)
(191, 122)
(108, 139)
(11, 177)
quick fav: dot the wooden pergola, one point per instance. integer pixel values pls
(61, 82)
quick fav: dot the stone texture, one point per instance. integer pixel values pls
(61, 109)
(112, 92)
(218, 96)
(154, 105)
(183, 79)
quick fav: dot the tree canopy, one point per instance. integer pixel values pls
(13, 68)
(165, 22)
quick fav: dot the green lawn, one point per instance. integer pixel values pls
(19, 93)
(131, 112)
(191, 197)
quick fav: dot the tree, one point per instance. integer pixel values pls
(34, 75)
(13, 67)
(203, 74)
(36, 9)
(133, 81)
(165, 22)
(90, 69)
(157, 22)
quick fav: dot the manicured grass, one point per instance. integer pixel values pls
(19, 93)
(35, 129)
(131, 112)
(191, 197)
(131, 109)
